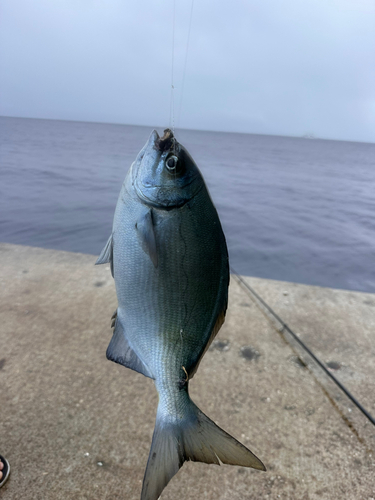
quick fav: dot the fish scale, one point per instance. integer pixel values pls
(169, 261)
(165, 288)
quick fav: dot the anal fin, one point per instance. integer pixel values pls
(120, 351)
(106, 255)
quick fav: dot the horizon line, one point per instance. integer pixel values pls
(307, 136)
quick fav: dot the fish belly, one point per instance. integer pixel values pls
(168, 311)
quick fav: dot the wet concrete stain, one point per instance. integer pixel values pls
(2, 363)
(99, 283)
(220, 345)
(333, 365)
(322, 491)
(248, 352)
(298, 361)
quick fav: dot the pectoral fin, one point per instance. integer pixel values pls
(106, 255)
(146, 234)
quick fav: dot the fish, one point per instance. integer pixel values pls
(169, 260)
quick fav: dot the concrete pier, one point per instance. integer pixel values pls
(75, 426)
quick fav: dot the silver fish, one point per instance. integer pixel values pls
(169, 260)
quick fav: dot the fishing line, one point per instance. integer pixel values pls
(172, 126)
(178, 270)
(185, 63)
(285, 327)
(171, 112)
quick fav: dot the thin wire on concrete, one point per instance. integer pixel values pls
(304, 346)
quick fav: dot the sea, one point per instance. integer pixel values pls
(292, 209)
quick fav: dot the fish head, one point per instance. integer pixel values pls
(164, 175)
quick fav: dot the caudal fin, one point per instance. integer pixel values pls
(195, 438)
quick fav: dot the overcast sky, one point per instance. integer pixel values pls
(285, 67)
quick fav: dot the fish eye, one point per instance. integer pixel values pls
(171, 164)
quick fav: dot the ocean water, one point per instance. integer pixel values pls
(292, 209)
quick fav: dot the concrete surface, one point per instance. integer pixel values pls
(65, 409)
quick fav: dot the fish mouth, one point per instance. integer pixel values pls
(155, 188)
(162, 205)
(166, 142)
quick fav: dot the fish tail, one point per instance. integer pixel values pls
(194, 437)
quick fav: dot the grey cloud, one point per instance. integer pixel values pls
(272, 67)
